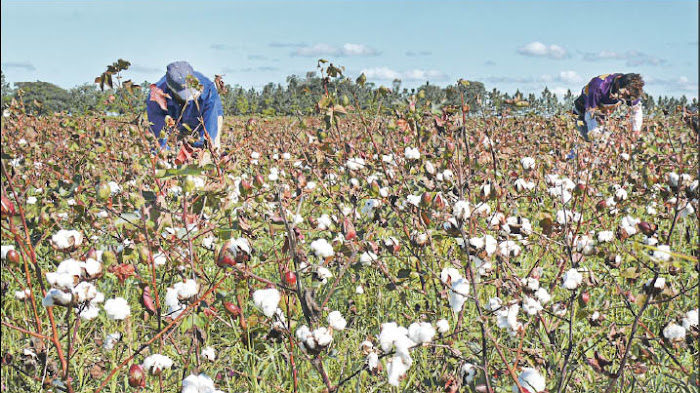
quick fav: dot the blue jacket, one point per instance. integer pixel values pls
(209, 110)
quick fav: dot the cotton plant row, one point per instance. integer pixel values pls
(314, 233)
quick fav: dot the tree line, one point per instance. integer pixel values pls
(299, 96)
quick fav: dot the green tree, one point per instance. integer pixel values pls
(43, 98)
(6, 91)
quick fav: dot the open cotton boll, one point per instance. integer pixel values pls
(468, 372)
(442, 326)
(60, 280)
(662, 253)
(690, 319)
(507, 318)
(323, 274)
(209, 353)
(449, 274)
(324, 222)
(367, 258)
(23, 294)
(461, 210)
(117, 308)
(5, 248)
(531, 380)
(198, 384)
(542, 295)
(84, 292)
(355, 163)
(322, 336)
(266, 300)
(509, 248)
(89, 312)
(421, 332)
(411, 153)
(186, 290)
(65, 239)
(372, 361)
(396, 369)
(674, 332)
(157, 363)
(172, 301)
(531, 306)
(527, 163)
(458, 294)
(57, 297)
(336, 320)
(322, 248)
(71, 266)
(111, 340)
(606, 236)
(495, 303)
(93, 267)
(571, 279)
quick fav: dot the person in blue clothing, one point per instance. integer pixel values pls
(602, 95)
(186, 102)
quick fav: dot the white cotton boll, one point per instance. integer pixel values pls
(651, 209)
(336, 320)
(430, 168)
(23, 294)
(482, 209)
(621, 194)
(57, 297)
(255, 155)
(84, 292)
(523, 185)
(461, 210)
(310, 186)
(323, 274)
(324, 222)
(660, 283)
(359, 290)
(447, 175)
(60, 280)
(322, 336)
(531, 380)
(65, 239)
(442, 326)
(5, 249)
(571, 279)
(559, 309)
(690, 319)
(421, 332)
(372, 361)
(468, 372)
(209, 353)
(477, 242)
(159, 259)
(111, 340)
(367, 258)
(157, 363)
(585, 245)
(507, 318)
(71, 266)
(674, 332)
(606, 236)
(369, 206)
(458, 294)
(542, 295)
(396, 369)
(322, 248)
(117, 308)
(114, 188)
(89, 312)
(186, 290)
(355, 163)
(687, 211)
(266, 300)
(411, 153)
(509, 248)
(530, 283)
(531, 306)
(491, 244)
(496, 220)
(625, 156)
(389, 333)
(449, 274)
(672, 179)
(303, 335)
(662, 253)
(495, 303)
(527, 163)
(413, 199)
(175, 308)
(31, 200)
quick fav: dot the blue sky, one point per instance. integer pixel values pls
(507, 45)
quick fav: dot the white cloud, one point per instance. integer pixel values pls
(570, 77)
(24, 65)
(632, 58)
(323, 49)
(385, 73)
(538, 49)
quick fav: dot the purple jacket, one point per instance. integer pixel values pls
(596, 95)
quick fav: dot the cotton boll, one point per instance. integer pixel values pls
(322, 274)
(461, 210)
(531, 306)
(71, 266)
(495, 303)
(606, 236)
(531, 380)
(186, 290)
(88, 312)
(542, 295)
(117, 308)
(367, 258)
(674, 332)
(507, 318)
(336, 320)
(84, 292)
(572, 279)
(322, 248)
(411, 153)
(372, 361)
(468, 372)
(422, 332)
(449, 274)
(60, 280)
(443, 326)
(23, 294)
(111, 340)
(662, 253)
(266, 300)
(458, 294)
(157, 363)
(5, 249)
(690, 319)
(57, 297)
(396, 369)
(172, 301)
(65, 239)
(324, 222)
(527, 163)
(209, 353)
(509, 248)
